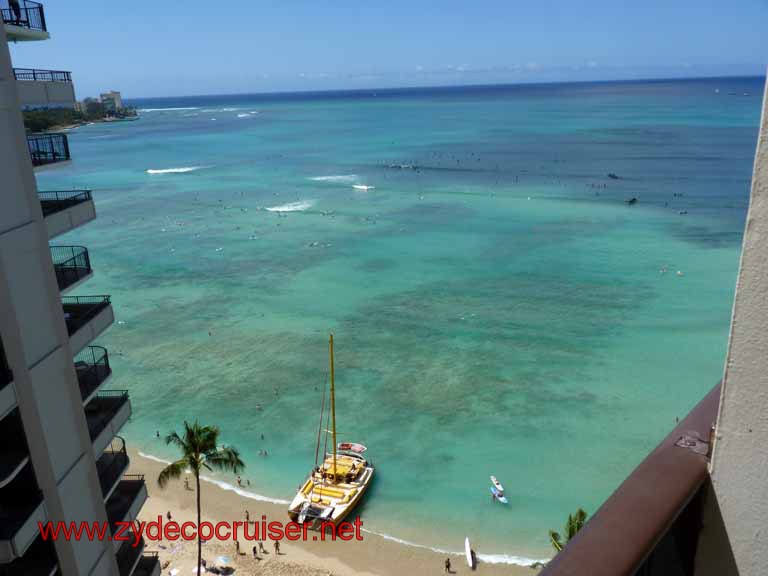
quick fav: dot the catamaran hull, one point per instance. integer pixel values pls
(338, 514)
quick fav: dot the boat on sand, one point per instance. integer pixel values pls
(335, 487)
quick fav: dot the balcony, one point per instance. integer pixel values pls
(46, 149)
(92, 368)
(44, 88)
(126, 500)
(14, 453)
(7, 393)
(25, 23)
(21, 508)
(105, 415)
(86, 318)
(111, 466)
(6, 376)
(149, 565)
(72, 266)
(66, 209)
(39, 560)
(128, 556)
(650, 524)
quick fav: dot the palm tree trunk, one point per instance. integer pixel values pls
(199, 542)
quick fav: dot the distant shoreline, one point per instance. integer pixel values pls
(394, 90)
(63, 127)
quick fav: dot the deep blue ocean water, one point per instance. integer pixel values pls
(498, 307)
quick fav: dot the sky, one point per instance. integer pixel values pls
(175, 47)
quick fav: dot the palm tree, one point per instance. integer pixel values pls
(199, 451)
(575, 523)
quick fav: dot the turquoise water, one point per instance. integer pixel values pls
(497, 307)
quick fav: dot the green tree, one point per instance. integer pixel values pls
(199, 451)
(575, 523)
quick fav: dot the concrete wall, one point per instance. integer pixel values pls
(736, 522)
(35, 94)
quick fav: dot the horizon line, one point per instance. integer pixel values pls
(448, 86)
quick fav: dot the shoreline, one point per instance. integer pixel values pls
(376, 554)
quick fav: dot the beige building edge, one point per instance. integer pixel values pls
(60, 456)
(739, 467)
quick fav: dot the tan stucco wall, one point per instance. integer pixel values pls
(740, 458)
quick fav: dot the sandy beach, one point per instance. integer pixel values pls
(374, 555)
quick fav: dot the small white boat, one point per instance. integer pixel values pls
(497, 484)
(469, 554)
(363, 187)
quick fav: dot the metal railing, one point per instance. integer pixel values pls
(110, 466)
(79, 310)
(58, 200)
(71, 264)
(123, 497)
(40, 558)
(6, 376)
(18, 500)
(92, 368)
(42, 75)
(147, 563)
(102, 408)
(26, 14)
(48, 148)
(129, 553)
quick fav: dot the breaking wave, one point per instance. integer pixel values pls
(174, 170)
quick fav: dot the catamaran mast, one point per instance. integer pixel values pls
(333, 408)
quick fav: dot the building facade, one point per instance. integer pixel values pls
(61, 459)
(112, 101)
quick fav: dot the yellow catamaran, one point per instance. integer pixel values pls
(333, 489)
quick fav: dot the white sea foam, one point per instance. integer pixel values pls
(167, 109)
(487, 558)
(343, 178)
(221, 109)
(246, 115)
(224, 485)
(181, 170)
(292, 206)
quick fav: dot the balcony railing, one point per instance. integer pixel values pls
(6, 376)
(148, 565)
(128, 554)
(18, 500)
(119, 504)
(651, 523)
(102, 408)
(58, 200)
(39, 560)
(92, 368)
(14, 453)
(28, 15)
(71, 264)
(48, 148)
(110, 466)
(42, 75)
(79, 310)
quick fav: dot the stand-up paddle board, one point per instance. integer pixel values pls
(497, 484)
(468, 552)
(499, 495)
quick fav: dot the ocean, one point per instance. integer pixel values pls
(498, 307)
